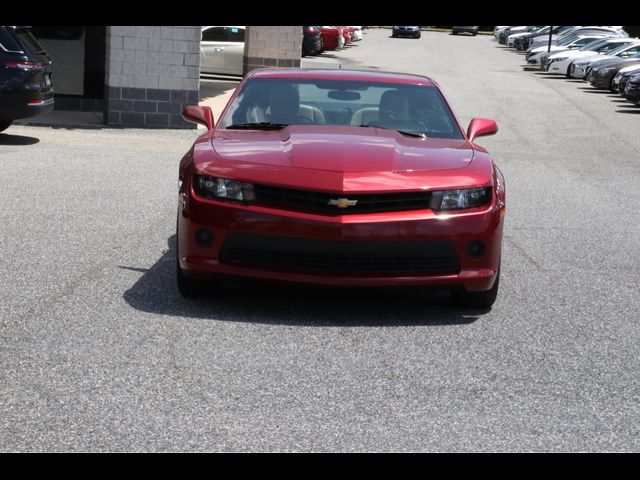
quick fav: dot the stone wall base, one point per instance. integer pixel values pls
(251, 63)
(148, 107)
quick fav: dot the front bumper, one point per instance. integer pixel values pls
(557, 68)
(312, 44)
(632, 93)
(407, 33)
(465, 30)
(598, 80)
(396, 231)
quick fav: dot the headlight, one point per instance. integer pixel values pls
(459, 199)
(223, 189)
(557, 59)
(605, 71)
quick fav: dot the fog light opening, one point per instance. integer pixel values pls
(204, 237)
(475, 249)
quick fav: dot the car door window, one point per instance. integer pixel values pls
(236, 34)
(631, 51)
(7, 42)
(215, 34)
(608, 48)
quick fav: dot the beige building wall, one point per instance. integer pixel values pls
(272, 46)
(152, 73)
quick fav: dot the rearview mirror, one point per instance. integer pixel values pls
(345, 95)
(197, 114)
(479, 127)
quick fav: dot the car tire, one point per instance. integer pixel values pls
(568, 74)
(418, 36)
(188, 287)
(4, 124)
(483, 300)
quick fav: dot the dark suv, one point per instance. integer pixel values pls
(311, 41)
(25, 76)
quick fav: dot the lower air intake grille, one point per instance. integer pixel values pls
(331, 256)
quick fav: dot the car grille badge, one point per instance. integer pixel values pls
(342, 202)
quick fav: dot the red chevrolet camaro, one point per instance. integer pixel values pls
(343, 178)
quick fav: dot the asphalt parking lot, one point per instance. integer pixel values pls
(100, 353)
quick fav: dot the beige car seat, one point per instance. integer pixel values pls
(365, 116)
(314, 114)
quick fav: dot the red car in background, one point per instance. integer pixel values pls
(346, 33)
(332, 38)
(340, 178)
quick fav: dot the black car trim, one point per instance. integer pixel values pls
(338, 256)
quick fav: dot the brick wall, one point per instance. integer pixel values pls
(152, 73)
(272, 46)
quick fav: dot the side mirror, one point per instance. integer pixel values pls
(197, 114)
(479, 127)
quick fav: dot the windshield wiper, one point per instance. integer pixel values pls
(257, 126)
(403, 132)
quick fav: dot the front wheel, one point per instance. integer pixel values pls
(612, 86)
(568, 74)
(484, 300)
(188, 287)
(4, 124)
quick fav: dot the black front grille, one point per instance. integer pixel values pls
(319, 202)
(332, 256)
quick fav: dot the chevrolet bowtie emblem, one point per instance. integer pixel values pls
(342, 202)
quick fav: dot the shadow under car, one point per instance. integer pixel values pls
(245, 300)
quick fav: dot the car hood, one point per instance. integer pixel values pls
(630, 69)
(615, 62)
(554, 49)
(341, 149)
(576, 54)
(594, 61)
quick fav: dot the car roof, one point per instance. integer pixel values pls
(343, 74)
(225, 26)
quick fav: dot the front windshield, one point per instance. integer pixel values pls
(568, 40)
(624, 48)
(592, 46)
(562, 30)
(610, 47)
(281, 102)
(570, 32)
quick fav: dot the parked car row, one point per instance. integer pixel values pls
(321, 38)
(222, 47)
(604, 56)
